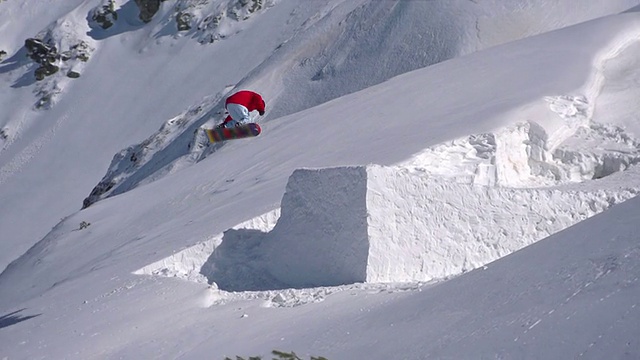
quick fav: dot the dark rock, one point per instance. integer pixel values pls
(255, 5)
(97, 191)
(49, 59)
(41, 52)
(80, 51)
(105, 15)
(83, 57)
(250, 5)
(65, 55)
(183, 19)
(148, 8)
(2, 55)
(45, 69)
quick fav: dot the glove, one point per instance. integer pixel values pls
(261, 113)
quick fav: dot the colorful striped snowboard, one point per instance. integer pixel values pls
(238, 132)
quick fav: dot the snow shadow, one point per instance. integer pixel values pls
(18, 60)
(14, 318)
(170, 29)
(239, 263)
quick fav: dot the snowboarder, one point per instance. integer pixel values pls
(239, 105)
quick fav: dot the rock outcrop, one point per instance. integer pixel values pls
(183, 19)
(243, 9)
(49, 58)
(44, 54)
(148, 8)
(105, 15)
(215, 23)
(96, 194)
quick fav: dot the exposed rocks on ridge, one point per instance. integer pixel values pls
(105, 15)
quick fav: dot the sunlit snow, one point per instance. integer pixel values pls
(434, 179)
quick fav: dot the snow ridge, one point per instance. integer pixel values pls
(527, 155)
(178, 143)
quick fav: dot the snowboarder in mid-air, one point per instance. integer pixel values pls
(239, 105)
(238, 124)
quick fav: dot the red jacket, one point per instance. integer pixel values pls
(249, 99)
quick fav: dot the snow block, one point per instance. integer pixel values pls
(383, 224)
(321, 237)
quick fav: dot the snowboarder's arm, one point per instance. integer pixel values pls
(260, 105)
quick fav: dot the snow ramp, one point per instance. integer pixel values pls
(376, 225)
(383, 224)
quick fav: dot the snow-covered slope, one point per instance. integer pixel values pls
(296, 52)
(572, 295)
(554, 112)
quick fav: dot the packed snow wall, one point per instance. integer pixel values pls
(383, 224)
(321, 235)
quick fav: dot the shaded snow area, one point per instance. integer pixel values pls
(235, 264)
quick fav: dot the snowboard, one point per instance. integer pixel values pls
(238, 132)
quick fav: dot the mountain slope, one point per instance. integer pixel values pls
(553, 110)
(82, 270)
(280, 51)
(572, 295)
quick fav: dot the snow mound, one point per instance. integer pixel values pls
(374, 224)
(384, 224)
(212, 261)
(528, 155)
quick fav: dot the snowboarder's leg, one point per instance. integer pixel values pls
(225, 122)
(239, 114)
